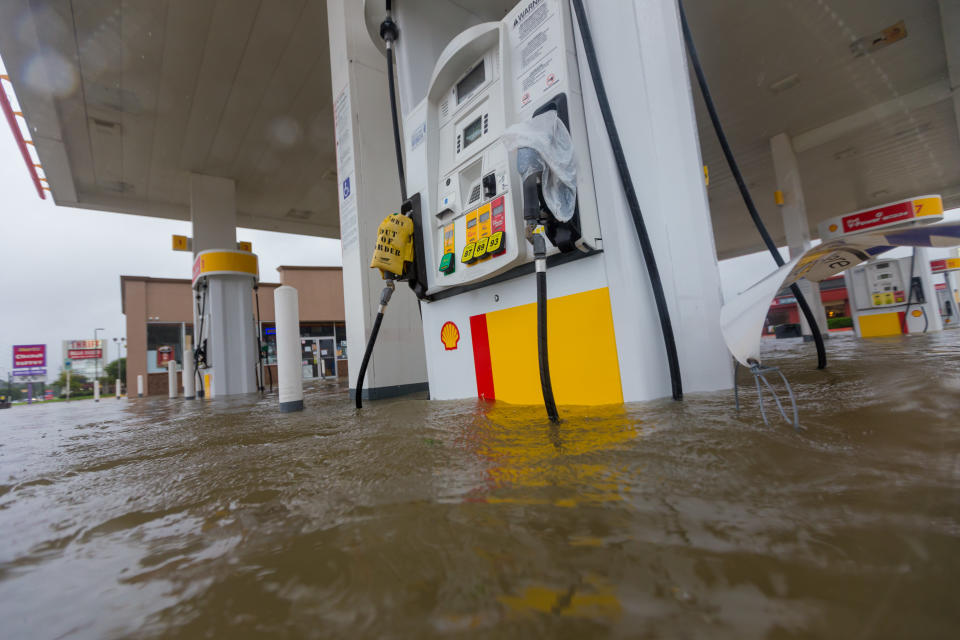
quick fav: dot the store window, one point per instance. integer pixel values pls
(341, 335)
(269, 343)
(164, 343)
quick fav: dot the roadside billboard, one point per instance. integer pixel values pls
(29, 360)
(87, 357)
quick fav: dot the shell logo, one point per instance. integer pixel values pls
(833, 227)
(449, 335)
(916, 313)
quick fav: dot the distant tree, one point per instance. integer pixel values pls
(78, 384)
(112, 371)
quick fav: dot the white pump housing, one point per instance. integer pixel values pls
(489, 77)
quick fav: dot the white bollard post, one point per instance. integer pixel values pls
(172, 378)
(140, 385)
(189, 377)
(118, 388)
(96, 391)
(289, 370)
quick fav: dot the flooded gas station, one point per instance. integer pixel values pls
(153, 518)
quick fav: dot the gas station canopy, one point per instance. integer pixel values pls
(125, 98)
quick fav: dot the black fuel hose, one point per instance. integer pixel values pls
(666, 326)
(258, 373)
(384, 300)
(200, 351)
(742, 186)
(910, 292)
(389, 33)
(546, 386)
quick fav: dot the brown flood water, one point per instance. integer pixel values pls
(158, 518)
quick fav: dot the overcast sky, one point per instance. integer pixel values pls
(60, 268)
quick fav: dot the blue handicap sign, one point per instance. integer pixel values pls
(346, 188)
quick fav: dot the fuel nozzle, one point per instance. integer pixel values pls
(530, 167)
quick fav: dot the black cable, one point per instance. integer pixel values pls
(910, 292)
(744, 191)
(389, 32)
(366, 359)
(542, 352)
(384, 300)
(259, 370)
(666, 325)
(200, 353)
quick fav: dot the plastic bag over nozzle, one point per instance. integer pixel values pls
(544, 148)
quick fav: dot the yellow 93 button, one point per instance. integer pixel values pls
(494, 243)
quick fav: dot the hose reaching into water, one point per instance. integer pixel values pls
(389, 32)
(200, 352)
(666, 326)
(384, 301)
(742, 186)
(546, 386)
(259, 369)
(910, 291)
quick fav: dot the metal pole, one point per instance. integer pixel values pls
(96, 362)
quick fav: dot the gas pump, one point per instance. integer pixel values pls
(948, 293)
(890, 297)
(219, 275)
(501, 178)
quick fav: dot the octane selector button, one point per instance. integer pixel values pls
(494, 243)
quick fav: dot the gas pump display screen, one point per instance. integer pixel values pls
(472, 131)
(470, 82)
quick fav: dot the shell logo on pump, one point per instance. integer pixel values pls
(449, 335)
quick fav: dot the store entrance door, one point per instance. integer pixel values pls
(318, 357)
(326, 358)
(307, 358)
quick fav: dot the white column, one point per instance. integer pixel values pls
(289, 370)
(118, 388)
(189, 376)
(228, 326)
(139, 385)
(795, 224)
(96, 391)
(361, 102)
(172, 378)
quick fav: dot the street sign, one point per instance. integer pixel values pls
(67, 364)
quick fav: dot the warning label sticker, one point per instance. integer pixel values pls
(536, 42)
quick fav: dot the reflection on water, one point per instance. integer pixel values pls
(160, 518)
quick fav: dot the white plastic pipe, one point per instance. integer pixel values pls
(289, 371)
(172, 378)
(118, 388)
(96, 391)
(140, 385)
(189, 377)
